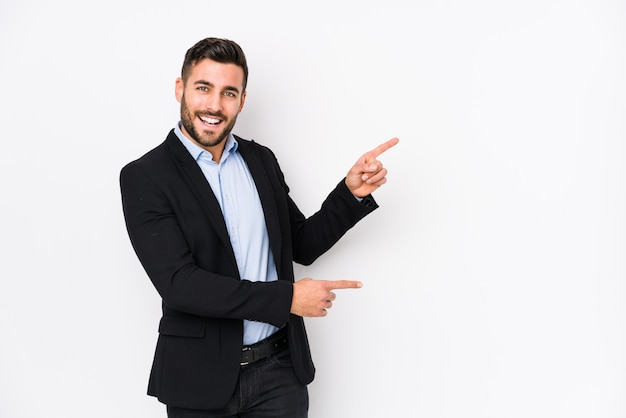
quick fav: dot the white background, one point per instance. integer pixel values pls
(494, 269)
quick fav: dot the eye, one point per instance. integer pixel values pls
(229, 94)
(203, 88)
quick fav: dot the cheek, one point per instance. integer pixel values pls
(190, 104)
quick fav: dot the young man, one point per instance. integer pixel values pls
(210, 218)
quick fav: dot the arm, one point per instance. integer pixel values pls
(341, 210)
(188, 264)
(314, 297)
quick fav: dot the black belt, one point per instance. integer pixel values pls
(264, 348)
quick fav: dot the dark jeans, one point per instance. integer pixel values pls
(266, 389)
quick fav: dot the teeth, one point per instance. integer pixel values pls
(211, 121)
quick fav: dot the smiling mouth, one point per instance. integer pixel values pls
(209, 120)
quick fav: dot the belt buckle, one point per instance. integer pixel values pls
(245, 363)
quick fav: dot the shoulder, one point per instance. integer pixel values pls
(251, 143)
(261, 156)
(157, 159)
(250, 146)
(164, 151)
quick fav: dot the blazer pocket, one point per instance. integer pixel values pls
(182, 327)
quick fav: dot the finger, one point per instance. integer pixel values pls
(379, 182)
(371, 155)
(374, 177)
(343, 284)
(376, 183)
(371, 166)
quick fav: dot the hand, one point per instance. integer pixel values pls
(368, 174)
(312, 298)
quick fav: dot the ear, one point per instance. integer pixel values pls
(180, 88)
(243, 100)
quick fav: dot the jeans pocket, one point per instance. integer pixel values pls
(282, 358)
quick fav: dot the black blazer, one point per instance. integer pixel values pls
(177, 230)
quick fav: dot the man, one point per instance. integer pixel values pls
(210, 218)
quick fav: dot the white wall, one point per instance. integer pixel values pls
(494, 269)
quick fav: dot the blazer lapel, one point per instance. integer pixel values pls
(192, 174)
(252, 158)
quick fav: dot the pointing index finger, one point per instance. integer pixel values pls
(371, 155)
(344, 284)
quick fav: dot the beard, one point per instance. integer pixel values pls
(205, 138)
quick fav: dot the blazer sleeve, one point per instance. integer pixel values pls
(312, 236)
(161, 238)
(339, 212)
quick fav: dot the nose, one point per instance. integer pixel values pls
(213, 102)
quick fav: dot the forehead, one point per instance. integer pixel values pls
(216, 73)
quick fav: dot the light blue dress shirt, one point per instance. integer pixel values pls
(237, 195)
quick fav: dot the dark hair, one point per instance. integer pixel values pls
(216, 49)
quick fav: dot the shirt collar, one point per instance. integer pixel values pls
(196, 150)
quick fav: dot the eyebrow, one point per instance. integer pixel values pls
(208, 83)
